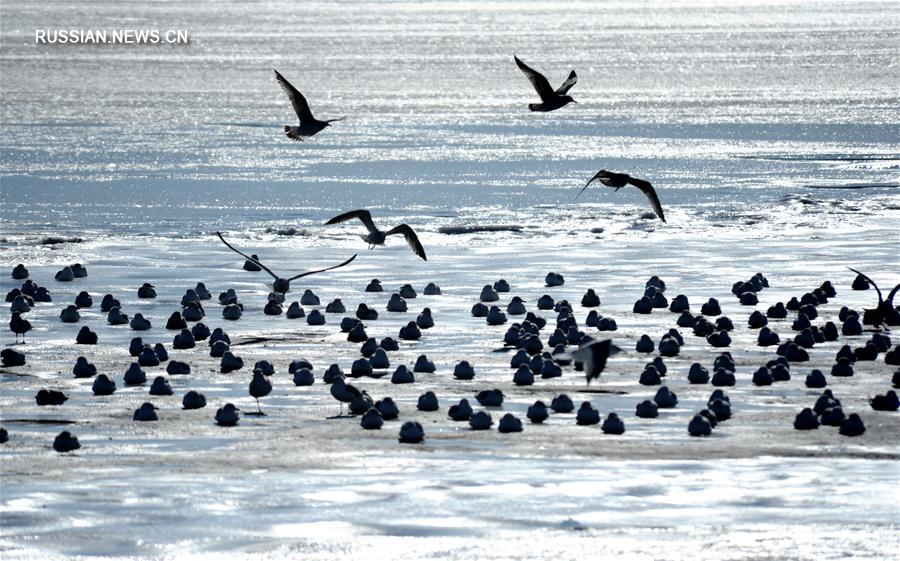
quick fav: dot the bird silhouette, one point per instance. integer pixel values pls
(593, 357)
(619, 180)
(19, 326)
(550, 99)
(281, 285)
(260, 386)
(344, 392)
(376, 236)
(309, 125)
(884, 313)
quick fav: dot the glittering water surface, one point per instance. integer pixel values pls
(770, 130)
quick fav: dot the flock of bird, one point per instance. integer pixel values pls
(571, 344)
(551, 100)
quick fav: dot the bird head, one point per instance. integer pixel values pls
(568, 99)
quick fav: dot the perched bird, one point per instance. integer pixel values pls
(281, 285)
(550, 99)
(309, 125)
(619, 180)
(376, 236)
(19, 326)
(260, 386)
(593, 356)
(884, 313)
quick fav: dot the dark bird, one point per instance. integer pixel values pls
(260, 386)
(593, 357)
(550, 99)
(619, 180)
(376, 236)
(309, 125)
(344, 392)
(884, 313)
(19, 326)
(281, 285)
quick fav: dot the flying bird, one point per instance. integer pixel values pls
(376, 236)
(309, 125)
(593, 356)
(619, 180)
(884, 313)
(550, 99)
(281, 285)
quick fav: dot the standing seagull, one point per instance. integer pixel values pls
(281, 285)
(376, 236)
(19, 326)
(550, 99)
(593, 357)
(309, 125)
(260, 386)
(344, 392)
(619, 180)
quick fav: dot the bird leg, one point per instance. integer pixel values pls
(258, 409)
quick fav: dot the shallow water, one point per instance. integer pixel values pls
(769, 129)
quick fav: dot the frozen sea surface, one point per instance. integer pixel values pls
(770, 130)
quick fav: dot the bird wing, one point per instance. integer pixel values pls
(347, 262)
(591, 180)
(538, 80)
(363, 215)
(411, 238)
(647, 189)
(247, 257)
(890, 298)
(567, 85)
(301, 107)
(880, 299)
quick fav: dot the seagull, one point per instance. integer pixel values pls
(281, 285)
(593, 356)
(884, 313)
(309, 125)
(619, 180)
(550, 99)
(19, 326)
(376, 236)
(344, 392)
(260, 386)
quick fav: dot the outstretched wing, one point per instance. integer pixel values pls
(591, 180)
(538, 80)
(567, 85)
(411, 238)
(880, 299)
(647, 189)
(347, 262)
(890, 298)
(362, 214)
(247, 257)
(301, 107)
